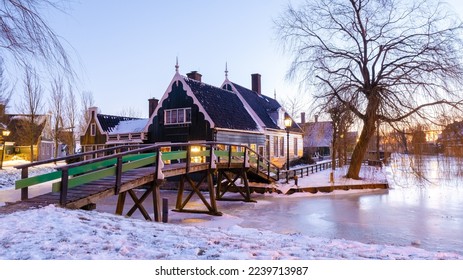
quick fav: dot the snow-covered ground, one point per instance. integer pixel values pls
(55, 233)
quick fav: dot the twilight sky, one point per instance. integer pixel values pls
(125, 51)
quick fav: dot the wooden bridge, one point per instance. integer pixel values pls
(119, 170)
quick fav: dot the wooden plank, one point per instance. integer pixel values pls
(138, 163)
(174, 155)
(86, 178)
(27, 182)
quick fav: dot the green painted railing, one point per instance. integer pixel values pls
(119, 161)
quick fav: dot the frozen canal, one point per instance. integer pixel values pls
(425, 213)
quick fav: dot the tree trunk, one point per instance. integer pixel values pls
(360, 149)
(32, 152)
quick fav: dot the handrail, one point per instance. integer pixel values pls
(317, 166)
(140, 149)
(78, 155)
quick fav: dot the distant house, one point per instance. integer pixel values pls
(191, 110)
(318, 137)
(25, 133)
(106, 130)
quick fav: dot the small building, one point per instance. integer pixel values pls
(27, 134)
(318, 137)
(103, 130)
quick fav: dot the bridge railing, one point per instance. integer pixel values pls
(123, 158)
(27, 181)
(298, 172)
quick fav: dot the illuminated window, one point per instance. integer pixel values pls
(254, 147)
(195, 151)
(177, 116)
(295, 147)
(166, 150)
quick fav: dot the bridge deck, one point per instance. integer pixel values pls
(90, 193)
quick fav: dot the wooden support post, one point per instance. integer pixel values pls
(211, 206)
(188, 160)
(229, 156)
(219, 185)
(24, 191)
(64, 187)
(120, 203)
(139, 203)
(165, 210)
(157, 202)
(210, 184)
(118, 175)
(246, 186)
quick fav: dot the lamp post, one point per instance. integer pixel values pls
(5, 133)
(288, 124)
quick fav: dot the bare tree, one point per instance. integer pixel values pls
(5, 89)
(26, 36)
(87, 101)
(130, 112)
(294, 105)
(31, 106)
(56, 103)
(71, 117)
(386, 60)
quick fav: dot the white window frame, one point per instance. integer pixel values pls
(185, 112)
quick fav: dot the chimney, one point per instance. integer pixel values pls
(92, 111)
(316, 118)
(255, 78)
(303, 117)
(153, 103)
(194, 75)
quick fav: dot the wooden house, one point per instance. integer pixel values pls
(26, 133)
(191, 110)
(106, 130)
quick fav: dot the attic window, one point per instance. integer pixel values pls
(177, 116)
(92, 129)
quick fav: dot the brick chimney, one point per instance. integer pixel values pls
(91, 113)
(153, 103)
(303, 117)
(255, 78)
(194, 75)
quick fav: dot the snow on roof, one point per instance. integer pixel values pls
(130, 126)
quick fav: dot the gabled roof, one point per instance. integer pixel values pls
(20, 128)
(109, 122)
(130, 126)
(262, 105)
(223, 106)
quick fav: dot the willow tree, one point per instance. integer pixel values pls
(385, 60)
(26, 38)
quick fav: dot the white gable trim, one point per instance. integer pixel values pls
(98, 125)
(180, 79)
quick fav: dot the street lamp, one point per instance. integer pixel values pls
(288, 124)
(5, 133)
